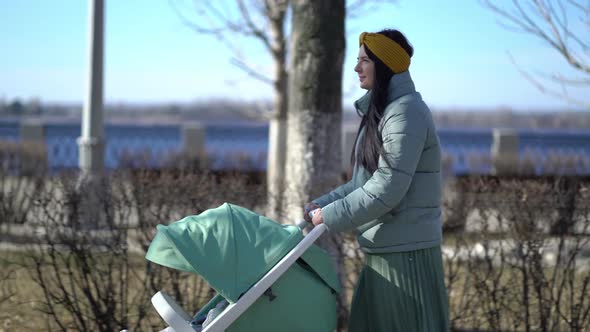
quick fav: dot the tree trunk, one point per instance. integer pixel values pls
(277, 134)
(315, 111)
(277, 147)
(275, 175)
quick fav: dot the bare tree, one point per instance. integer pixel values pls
(551, 22)
(505, 270)
(264, 21)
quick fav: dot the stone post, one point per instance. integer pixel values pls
(193, 144)
(32, 130)
(505, 152)
(32, 155)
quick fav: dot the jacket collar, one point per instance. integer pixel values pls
(399, 85)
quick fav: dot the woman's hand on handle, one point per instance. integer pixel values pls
(317, 217)
(307, 209)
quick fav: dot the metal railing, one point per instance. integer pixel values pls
(245, 146)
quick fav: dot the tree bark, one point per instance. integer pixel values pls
(315, 112)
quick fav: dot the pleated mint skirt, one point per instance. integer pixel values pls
(401, 291)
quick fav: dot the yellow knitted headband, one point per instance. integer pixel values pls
(388, 51)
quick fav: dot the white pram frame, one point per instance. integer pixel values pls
(179, 320)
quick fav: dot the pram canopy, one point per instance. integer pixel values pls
(231, 248)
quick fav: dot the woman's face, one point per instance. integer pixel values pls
(365, 68)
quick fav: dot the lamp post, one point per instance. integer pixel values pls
(91, 141)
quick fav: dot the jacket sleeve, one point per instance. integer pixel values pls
(335, 194)
(404, 135)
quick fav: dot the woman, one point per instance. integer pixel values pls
(393, 199)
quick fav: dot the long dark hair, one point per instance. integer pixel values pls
(372, 144)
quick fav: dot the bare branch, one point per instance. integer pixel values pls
(254, 30)
(547, 18)
(558, 78)
(549, 22)
(194, 26)
(251, 72)
(578, 5)
(562, 21)
(275, 11)
(543, 88)
(358, 8)
(220, 23)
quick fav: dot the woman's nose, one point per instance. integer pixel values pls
(357, 68)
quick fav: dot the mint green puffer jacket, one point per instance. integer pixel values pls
(397, 208)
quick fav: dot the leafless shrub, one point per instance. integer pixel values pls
(92, 236)
(510, 269)
(23, 158)
(21, 172)
(83, 263)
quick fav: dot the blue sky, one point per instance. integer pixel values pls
(461, 55)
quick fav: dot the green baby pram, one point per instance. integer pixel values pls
(271, 276)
